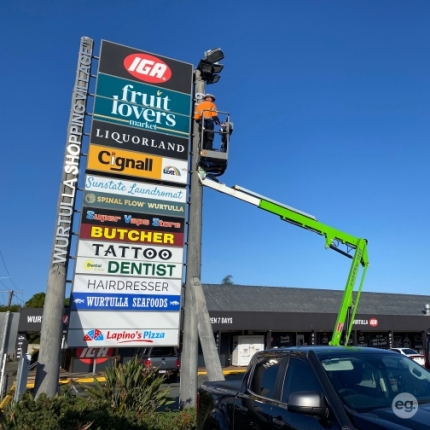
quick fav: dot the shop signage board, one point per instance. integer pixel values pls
(123, 188)
(105, 266)
(119, 251)
(99, 216)
(130, 235)
(99, 284)
(125, 302)
(141, 337)
(144, 67)
(118, 136)
(127, 283)
(135, 164)
(142, 115)
(137, 204)
(125, 320)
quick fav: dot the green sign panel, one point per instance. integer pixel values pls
(136, 204)
(142, 106)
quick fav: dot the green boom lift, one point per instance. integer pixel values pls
(346, 244)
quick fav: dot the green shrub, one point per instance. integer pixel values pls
(131, 387)
(69, 412)
(64, 412)
(128, 400)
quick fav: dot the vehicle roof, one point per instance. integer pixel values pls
(326, 349)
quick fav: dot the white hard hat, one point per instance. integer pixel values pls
(210, 95)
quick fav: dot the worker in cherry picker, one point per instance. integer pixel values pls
(206, 115)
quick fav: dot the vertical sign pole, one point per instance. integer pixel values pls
(189, 359)
(48, 369)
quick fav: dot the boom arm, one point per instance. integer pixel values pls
(355, 248)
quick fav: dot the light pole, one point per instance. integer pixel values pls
(205, 72)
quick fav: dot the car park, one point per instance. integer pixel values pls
(165, 358)
(412, 354)
(320, 387)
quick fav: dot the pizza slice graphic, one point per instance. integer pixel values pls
(98, 335)
(95, 334)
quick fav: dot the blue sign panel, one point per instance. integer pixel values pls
(126, 302)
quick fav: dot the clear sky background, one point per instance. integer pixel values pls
(331, 106)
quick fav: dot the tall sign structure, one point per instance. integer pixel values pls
(128, 273)
(129, 263)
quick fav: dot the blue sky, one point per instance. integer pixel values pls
(331, 106)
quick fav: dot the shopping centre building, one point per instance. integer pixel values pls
(249, 318)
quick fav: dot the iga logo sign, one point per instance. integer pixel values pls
(147, 68)
(88, 355)
(373, 322)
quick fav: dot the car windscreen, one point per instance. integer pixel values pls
(162, 352)
(409, 351)
(369, 381)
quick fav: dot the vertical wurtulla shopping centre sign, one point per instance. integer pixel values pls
(75, 131)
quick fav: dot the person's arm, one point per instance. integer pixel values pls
(198, 113)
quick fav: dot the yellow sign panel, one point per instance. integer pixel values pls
(120, 162)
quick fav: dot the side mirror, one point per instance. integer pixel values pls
(307, 402)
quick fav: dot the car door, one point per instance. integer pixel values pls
(252, 407)
(298, 377)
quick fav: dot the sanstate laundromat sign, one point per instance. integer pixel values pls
(147, 198)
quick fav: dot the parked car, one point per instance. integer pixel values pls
(319, 387)
(411, 353)
(165, 358)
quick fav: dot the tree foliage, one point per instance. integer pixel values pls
(227, 280)
(12, 308)
(37, 301)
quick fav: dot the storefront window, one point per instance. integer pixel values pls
(323, 338)
(378, 340)
(408, 340)
(283, 339)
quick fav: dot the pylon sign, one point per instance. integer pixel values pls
(129, 261)
(142, 115)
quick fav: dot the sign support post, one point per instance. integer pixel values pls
(48, 369)
(189, 359)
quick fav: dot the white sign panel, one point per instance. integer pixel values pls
(105, 266)
(142, 337)
(124, 285)
(128, 251)
(123, 320)
(141, 189)
(174, 170)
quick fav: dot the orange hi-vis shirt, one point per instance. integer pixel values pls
(203, 109)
